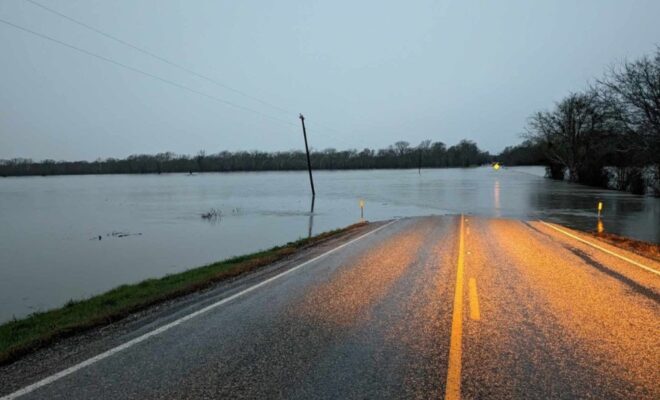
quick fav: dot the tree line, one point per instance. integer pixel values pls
(607, 135)
(399, 155)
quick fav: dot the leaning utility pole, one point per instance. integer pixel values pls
(309, 164)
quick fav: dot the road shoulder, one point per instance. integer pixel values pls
(77, 348)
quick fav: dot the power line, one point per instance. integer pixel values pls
(171, 63)
(168, 62)
(167, 81)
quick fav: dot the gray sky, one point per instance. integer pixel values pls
(363, 73)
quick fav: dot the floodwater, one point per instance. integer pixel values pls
(75, 236)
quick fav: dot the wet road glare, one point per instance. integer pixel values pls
(540, 315)
(151, 225)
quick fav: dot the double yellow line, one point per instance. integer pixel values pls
(453, 385)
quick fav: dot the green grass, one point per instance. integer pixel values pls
(22, 336)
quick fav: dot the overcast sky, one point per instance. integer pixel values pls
(365, 74)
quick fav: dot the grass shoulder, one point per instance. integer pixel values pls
(645, 249)
(22, 336)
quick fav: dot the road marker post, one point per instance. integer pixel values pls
(361, 209)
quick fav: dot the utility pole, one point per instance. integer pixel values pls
(309, 164)
(311, 219)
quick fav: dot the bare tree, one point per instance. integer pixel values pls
(568, 132)
(635, 86)
(424, 145)
(633, 90)
(200, 159)
(402, 147)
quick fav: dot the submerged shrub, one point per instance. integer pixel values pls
(555, 171)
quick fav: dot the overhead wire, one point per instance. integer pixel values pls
(171, 63)
(175, 64)
(142, 72)
(160, 58)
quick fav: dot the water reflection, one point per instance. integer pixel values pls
(46, 222)
(496, 197)
(576, 206)
(311, 218)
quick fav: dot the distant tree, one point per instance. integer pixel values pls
(438, 154)
(366, 153)
(201, 155)
(526, 153)
(423, 154)
(438, 147)
(466, 153)
(399, 155)
(402, 147)
(424, 145)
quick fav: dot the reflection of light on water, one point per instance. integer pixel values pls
(260, 210)
(496, 197)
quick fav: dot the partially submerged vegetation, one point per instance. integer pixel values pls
(212, 215)
(19, 337)
(607, 135)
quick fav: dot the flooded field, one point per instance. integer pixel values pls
(75, 236)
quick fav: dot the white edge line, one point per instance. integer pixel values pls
(642, 266)
(52, 378)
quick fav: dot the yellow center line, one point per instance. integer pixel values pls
(642, 266)
(453, 387)
(474, 300)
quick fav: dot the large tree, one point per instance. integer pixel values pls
(632, 89)
(572, 134)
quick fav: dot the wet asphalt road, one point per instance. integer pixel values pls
(541, 316)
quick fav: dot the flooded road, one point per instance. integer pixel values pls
(417, 308)
(75, 236)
